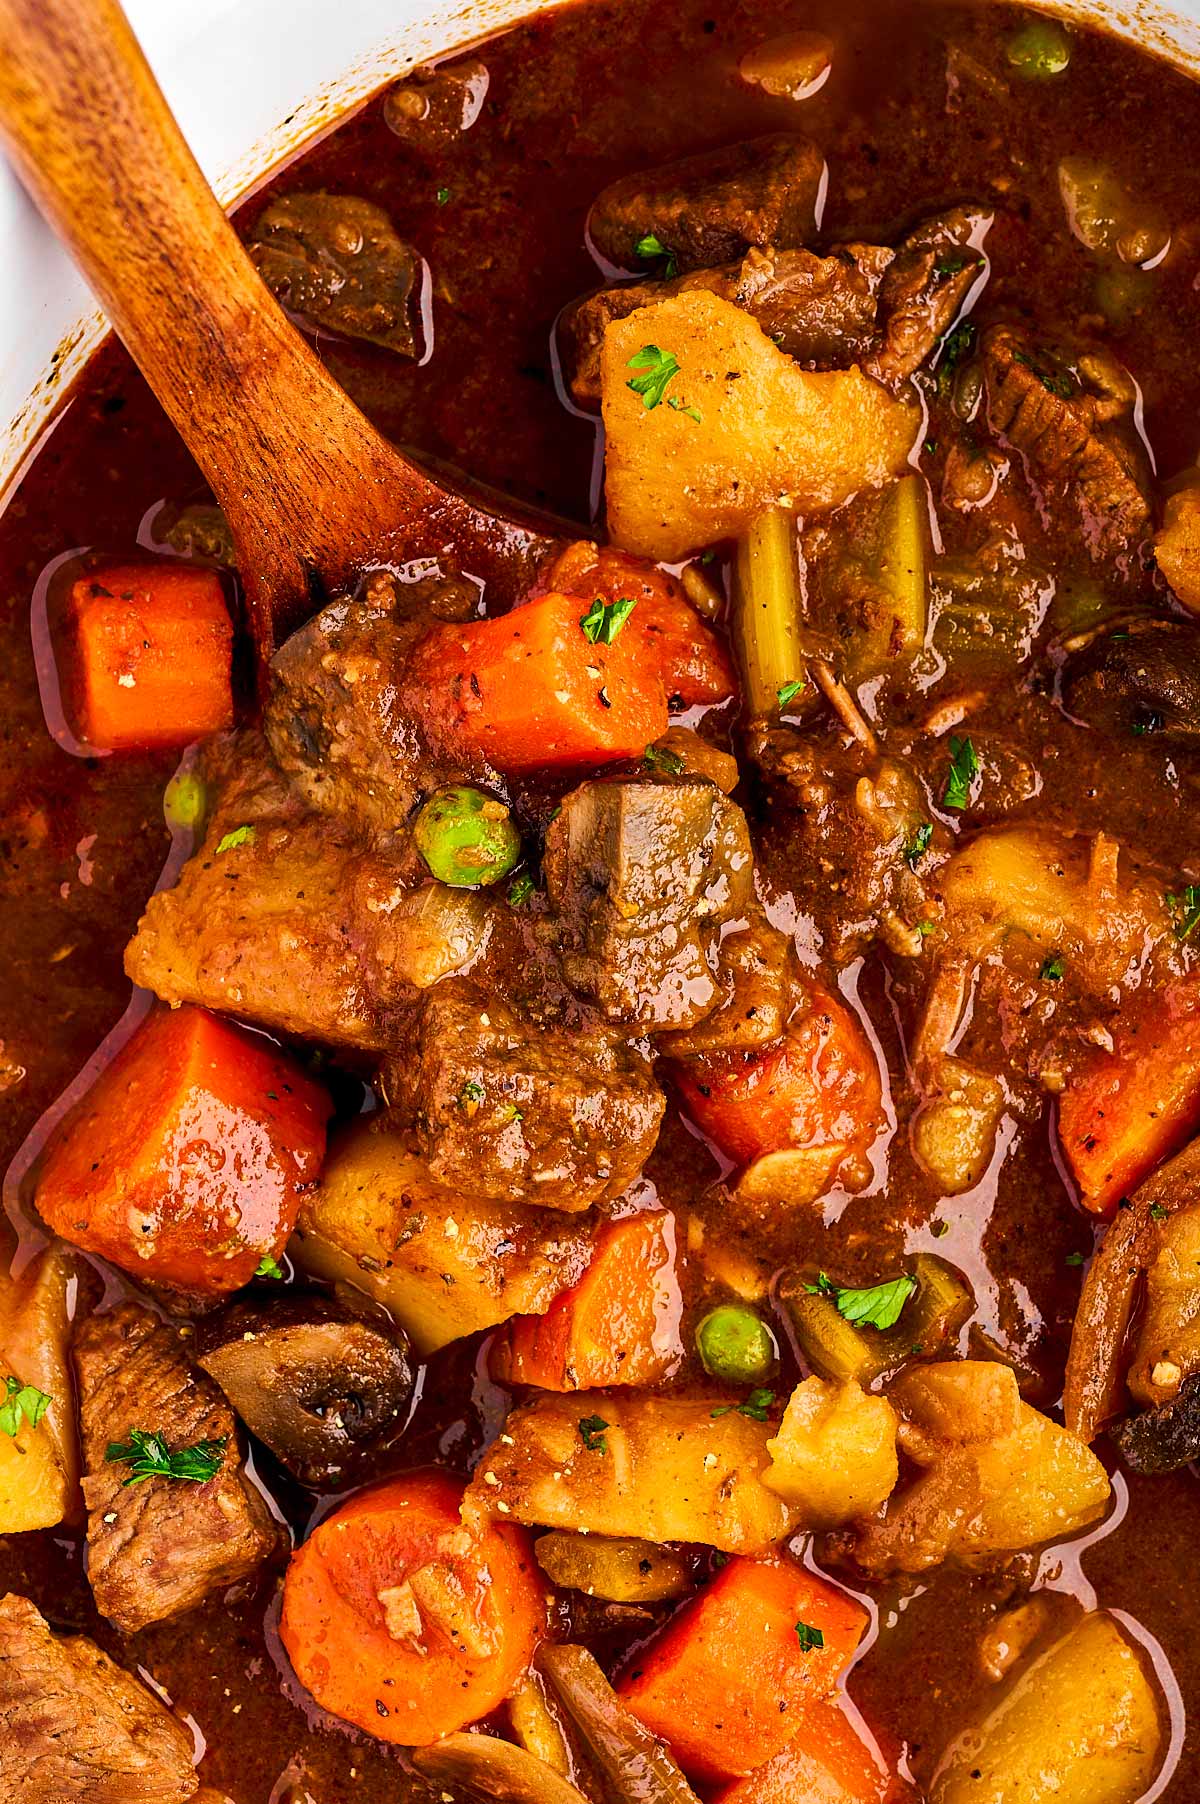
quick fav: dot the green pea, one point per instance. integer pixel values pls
(735, 1344)
(1040, 49)
(184, 800)
(466, 838)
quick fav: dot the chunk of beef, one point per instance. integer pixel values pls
(820, 310)
(75, 1727)
(295, 921)
(1139, 674)
(712, 207)
(923, 291)
(160, 1547)
(837, 835)
(644, 874)
(1072, 421)
(430, 108)
(339, 719)
(337, 263)
(518, 1111)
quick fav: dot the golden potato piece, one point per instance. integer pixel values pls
(770, 434)
(443, 1262)
(1081, 1725)
(834, 1457)
(635, 1465)
(625, 1571)
(39, 1466)
(1177, 545)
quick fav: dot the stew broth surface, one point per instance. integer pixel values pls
(575, 99)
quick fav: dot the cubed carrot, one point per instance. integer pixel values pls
(618, 1325)
(149, 655)
(1123, 1111)
(826, 1762)
(816, 1086)
(693, 661)
(727, 1682)
(186, 1161)
(530, 691)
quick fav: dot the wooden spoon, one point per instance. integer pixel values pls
(312, 493)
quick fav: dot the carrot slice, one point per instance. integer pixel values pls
(400, 1620)
(150, 655)
(618, 1325)
(186, 1161)
(826, 1762)
(694, 663)
(530, 691)
(817, 1086)
(1123, 1111)
(727, 1681)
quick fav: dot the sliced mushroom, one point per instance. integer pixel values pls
(1137, 676)
(482, 1766)
(314, 1381)
(1162, 1439)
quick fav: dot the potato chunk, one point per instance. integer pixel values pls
(1177, 545)
(835, 1454)
(768, 434)
(1081, 1725)
(443, 1260)
(998, 1477)
(39, 1466)
(652, 1468)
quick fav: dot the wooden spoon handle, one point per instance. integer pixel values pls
(311, 490)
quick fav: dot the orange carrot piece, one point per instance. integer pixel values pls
(150, 656)
(1123, 1111)
(618, 1325)
(530, 691)
(826, 1762)
(817, 1086)
(694, 662)
(727, 1682)
(402, 1621)
(185, 1162)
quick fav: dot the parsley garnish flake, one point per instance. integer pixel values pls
(656, 369)
(591, 1429)
(238, 836)
(964, 768)
(875, 1306)
(21, 1400)
(788, 691)
(808, 1637)
(148, 1456)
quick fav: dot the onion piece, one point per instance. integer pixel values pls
(486, 1767)
(633, 1764)
(1094, 1378)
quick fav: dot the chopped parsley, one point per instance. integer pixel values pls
(678, 406)
(443, 195)
(808, 1637)
(656, 369)
(651, 246)
(876, 1306)
(951, 263)
(1157, 1212)
(148, 1456)
(1151, 722)
(520, 890)
(964, 768)
(757, 1406)
(1187, 908)
(471, 1095)
(592, 1428)
(1054, 381)
(918, 845)
(268, 1267)
(239, 836)
(660, 758)
(604, 619)
(1053, 968)
(1074, 1258)
(956, 348)
(21, 1400)
(788, 691)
